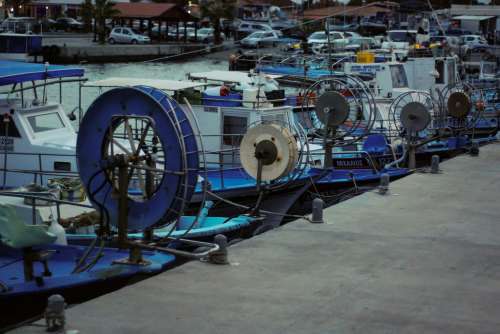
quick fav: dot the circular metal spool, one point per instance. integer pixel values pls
(415, 117)
(276, 147)
(332, 109)
(413, 111)
(458, 103)
(343, 103)
(150, 129)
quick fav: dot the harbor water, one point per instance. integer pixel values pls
(172, 70)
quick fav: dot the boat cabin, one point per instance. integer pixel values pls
(223, 105)
(37, 139)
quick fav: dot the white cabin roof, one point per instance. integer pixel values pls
(162, 84)
(227, 76)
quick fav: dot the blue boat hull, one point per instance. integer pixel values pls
(20, 300)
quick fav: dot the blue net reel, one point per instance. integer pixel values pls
(148, 130)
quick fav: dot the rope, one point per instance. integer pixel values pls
(263, 211)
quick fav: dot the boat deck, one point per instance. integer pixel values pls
(423, 259)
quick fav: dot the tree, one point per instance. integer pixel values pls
(215, 10)
(103, 9)
(87, 13)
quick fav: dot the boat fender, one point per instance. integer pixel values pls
(59, 231)
(204, 212)
(224, 90)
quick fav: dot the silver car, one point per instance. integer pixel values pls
(127, 36)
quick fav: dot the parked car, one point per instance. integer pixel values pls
(472, 39)
(19, 25)
(351, 34)
(127, 36)
(68, 24)
(362, 43)
(204, 35)
(320, 39)
(48, 24)
(400, 39)
(457, 32)
(246, 28)
(260, 39)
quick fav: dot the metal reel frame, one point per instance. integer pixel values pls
(178, 177)
(362, 109)
(397, 106)
(303, 154)
(476, 113)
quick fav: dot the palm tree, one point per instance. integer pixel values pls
(87, 13)
(215, 10)
(103, 9)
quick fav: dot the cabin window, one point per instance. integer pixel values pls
(62, 166)
(440, 71)
(451, 72)
(10, 131)
(398, 76)
(45, 122)
(234, 128)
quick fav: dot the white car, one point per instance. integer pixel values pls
(469, 41)
(351, 34)
(319, 40)
(204, 35)
(260, 39)
(128, 36)
(400, 39)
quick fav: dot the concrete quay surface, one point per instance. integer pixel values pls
(423, 259)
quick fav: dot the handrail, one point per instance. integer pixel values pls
(47, 84)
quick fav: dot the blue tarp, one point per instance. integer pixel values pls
(12, 72)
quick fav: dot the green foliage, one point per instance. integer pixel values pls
(87, 12)
(215, 10)
(103, 9)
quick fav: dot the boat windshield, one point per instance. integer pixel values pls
(45, 122)
(398, 76)
(402, 36)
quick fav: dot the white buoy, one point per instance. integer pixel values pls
(59, 231)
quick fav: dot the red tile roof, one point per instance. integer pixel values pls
(319, 13)
(152, 10)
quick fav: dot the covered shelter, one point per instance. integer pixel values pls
(162, 14)
(351, 12)
(476, 23)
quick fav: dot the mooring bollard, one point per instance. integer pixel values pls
(55, 319)
(317, 211)
(435, 164)
(383, 187)
(220, 256)
(474, 149)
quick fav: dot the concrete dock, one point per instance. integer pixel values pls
(423, 259)
(75, 48)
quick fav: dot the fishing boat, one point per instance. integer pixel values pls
(35, 260)
(37, 136)
(227, 103)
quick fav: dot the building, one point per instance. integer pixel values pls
(484, 19)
